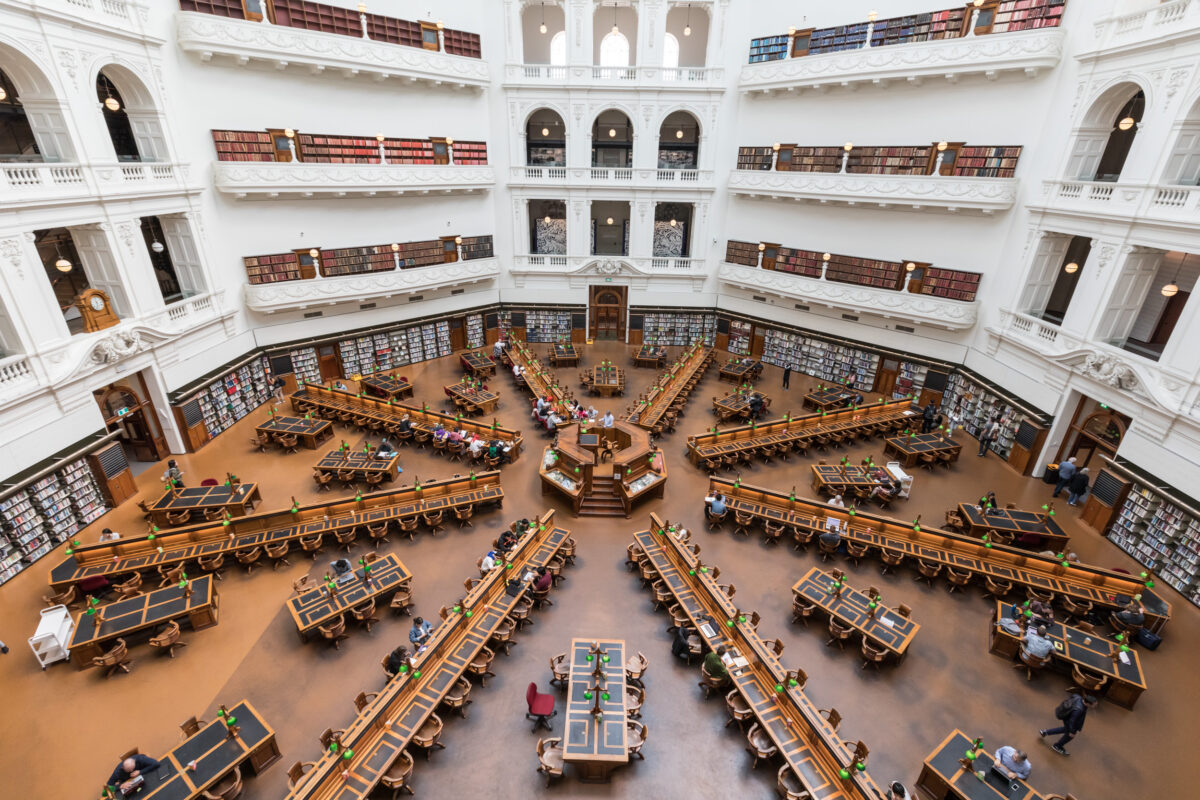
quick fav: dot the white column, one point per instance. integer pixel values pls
(641, 229)
(652, 32)
(714, 51)
(1181, 352)
(32, 307)
(579, 32)
(579, 228)
(514, 39)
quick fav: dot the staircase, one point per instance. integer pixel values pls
(603, 501)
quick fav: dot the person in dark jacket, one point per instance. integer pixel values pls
(122, 777)
(680, 648)
(927, 418)
(787, 376)
(1077, 486)
(1072, 724)
(395, 660)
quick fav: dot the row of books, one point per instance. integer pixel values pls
(740, 335)
(306, 365)
(235, 394)
(678, 329)
(829, 361)
(380, 352)
(1161, 535)
(475, 335)
(547, 325)
(975, 405)
(333, 149)
(975, 161)
(299, 265)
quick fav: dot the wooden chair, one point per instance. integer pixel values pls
(789, 786)
(399, 775)
(855, 551)
(759, 744)
(663, 597)
(68, 597)
(365, 613)
(117, 658)
(347, 478)
(297, 771)
(803, 537)
(739, 710)
(228, 787)
(772, 530)
(334, 632)
(288, 441)
(838, 633)
(433, 521)
(1030, 663)
(872, 656)
(323, 480)
(345, 539)
(182, 518)
(709, 682)
(212, 565)
(168, 639)
(463, 514)
(378, 534)
(904, 611)
(329, 736)
(362, 700)
(191, 726)
(832, 716)
(715, 520)
(249, 558)
(459, 697)
(421, 438)
(958, 579)
(560, 671)
(828, 549)
(408, 527)
(953, 521)
(313, 545)
(170, 575)
(567, 551)
(550, 758)
(995, 587)
(503, 635)
(927, 571)
(1034, 594)
(541, 598)
(428, 736)
(635, 736)
(635, 669)
(146, 515)
(802, 609)
(214, 514)
(1076, 608)
(278, 555)
(402, 600)
(374, 480)
(481, 665)
(1087, 683)
(131, 587)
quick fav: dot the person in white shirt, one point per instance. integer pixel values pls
(498, 348)
(518, 371)
(109, 535)
(837, 501)
(607, 422)
(476, 445)
(489, 561)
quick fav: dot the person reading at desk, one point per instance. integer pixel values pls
(385, 449)
(607, 421)
(420, 631)
(395, 660)
(125, 776)
(489, 561)
(506, 541)
(1013, 762)
(756, 405)
(339, 385)
(836, 501)
(715, 503)
(1133, 613)
(1036, 643)
(405, 424)
(439, 432)
(680, 646)
(455, 436)
(109, 535)
(714, 663)
(544, 580)
(477, 444)
(988, 502)
(1043, 613)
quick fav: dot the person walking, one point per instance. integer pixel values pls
(927, 418)
(988, 435)
(787, 376)
(1066, 471)
(1078, 487)
(1071, 712)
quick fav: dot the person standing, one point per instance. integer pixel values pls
(787, 376)
(927, 417)
(1078, 487)
(1066, 471)
(277, 389)
(1071, 712)
(988, 435)
(173, 475)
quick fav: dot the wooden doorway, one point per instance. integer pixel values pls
(607, 312)
(128, 409)
(885, 378)
(327, 360)
(1094, 429)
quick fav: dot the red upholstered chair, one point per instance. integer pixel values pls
(209, 482)
(541, 707)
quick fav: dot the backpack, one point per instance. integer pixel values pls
(1065, 708)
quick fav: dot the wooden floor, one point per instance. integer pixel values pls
(67, 727)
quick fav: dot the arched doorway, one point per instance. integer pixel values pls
(127, 409)
(607, 312)
(1095, 430)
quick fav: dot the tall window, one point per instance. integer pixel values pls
(671, 52)
(558, 49)
(614, 50)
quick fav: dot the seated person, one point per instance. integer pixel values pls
(385, 448)
(419, 633)
(1043, 613)
(477, 444)
(1133, 613)
(660, 352)
(836, 501)
(133, 767)
(553, 421)
(716, 503)
(455, 436)
(405, 424)
(109, 535)
(715, 665)
(489, 561)
(1036, 643)
(517, 370)
(341, 566)
(439, 433)
(607, 421)
(544, 580)
(339, 385)
(396, 659)
(680, 647)
(832, 537)
(896, 791)
(884, 491)
(506, 541)
(1013, 762)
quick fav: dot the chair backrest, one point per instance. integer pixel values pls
(209, 482)
(904, 611)
(835, 718)
(531, 694)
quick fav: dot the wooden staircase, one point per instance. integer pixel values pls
(603, 500)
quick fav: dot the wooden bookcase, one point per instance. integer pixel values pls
(864, 271)
(275, 268)
(802, 42)
(987, 162)
(816, 159)
(356, 260)
(769, 253)
(474, 247)
(949, 158)
(744, 253)
(243, 146)
(430, 40)
(950, 283)
(755, 158)
(317, 17)
(420, 254)
(273, 145)
(768, 48)
(470, 153)
(461, 43)
(783, 159)
(800, 262)
(219, 8)
(889, 160)
(958, 159)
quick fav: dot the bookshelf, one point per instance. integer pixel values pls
(864, 271)
(298, 265)
(740, 336)
(470, 153)
(815, 159)
(843, 37)
(275, 268)
(357, 260)
(987, 162)
(461, 43)
(889, 160)
(1024, 15)
(768, 48)
(320, 148)
(820, 358)
(744, 253)
(755, 158)
(420, 254)
(949, 283)
(1163, 535)
(945, 24)
(306, 366)
(475, 334)
(235, 394)
(218, 8)
(547, 325)
(976, 403)
(317, 17)
(671, 329)
(800, 262)
(243, 146)
(394, 31)
(909, 380)
(474, 247)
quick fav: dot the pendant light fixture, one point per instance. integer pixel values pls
(545, 131)
(1172, 288)
(157, 246)
(1071, 268)
(542, 27)
(62, 264)
(679, 133)
(3, 93)
(1126, 123)
(612, 133)
(615, 28)
(608, 221)
(547, 219)
(110, 102)
(687, 28)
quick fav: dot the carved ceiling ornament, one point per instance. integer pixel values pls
(1110, 370)
(11, 250)
(115, 346)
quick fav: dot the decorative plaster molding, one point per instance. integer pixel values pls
(919, 308)
(124, 19)
(296, 295)
(911, 191)
(665, 274)
(265, 180)
(281, 46)
(10, 248)
(1029, 52)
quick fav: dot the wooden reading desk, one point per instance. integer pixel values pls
(838, 478)
(737, 404)
(1038, 530)
(828, 398)
(1090, 651)
(649, 355)
(386, 725)
(942, 777)
(215, 753)
(538, 379)
(473, 399)
(564, 355)
(478, 363)
(595, 748)
(136, 614)
(236, 499)
(316, 606)
(909, 449)
(677, 381)
(389, 387)
(608, 381)
(308, 432)
(1102, 587)
(327, 518)
(739, 370)
(884, 628)
(360, 463)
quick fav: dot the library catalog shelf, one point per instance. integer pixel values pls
(264, 181)
(29, 184)
(1149, 383)
(1026, 52)
(269, 298)
(243, 42)
(689, 179)
(707, 79)
(888, 303)
(670, 274)
(1167, 23)
(907, 192)
(1177, 206)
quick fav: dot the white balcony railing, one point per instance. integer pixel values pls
(919, 308)
(639, 272)
(1147, 382)
(1159, 25)
(1163, 205)
(1027, 52)
(948, 193)
(258, 181)
(16, 374)
(296, 295)
(583, 76)
(692, 179)
(34, 184)
(241, 42)
(123, 18)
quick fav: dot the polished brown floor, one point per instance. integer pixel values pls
(65, 728)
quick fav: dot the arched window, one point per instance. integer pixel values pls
(558, 49)
(671, 52)
(614, 50)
